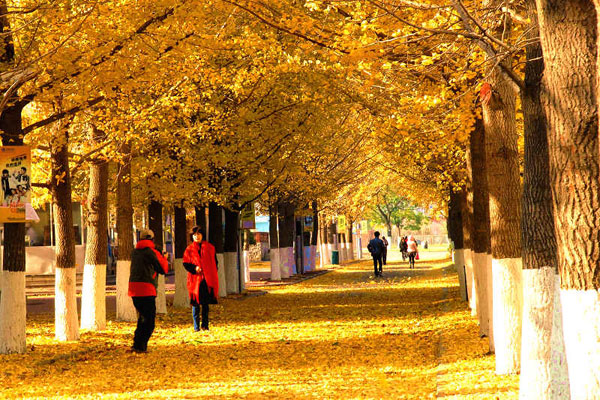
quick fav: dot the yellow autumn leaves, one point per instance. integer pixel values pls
(341, 335)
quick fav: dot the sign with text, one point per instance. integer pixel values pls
(248, 217)
(15, 164)
(341, 224)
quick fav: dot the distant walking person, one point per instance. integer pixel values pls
(200, 261)
(146, 264)
(385, 247)
(375, 247)
(411, 245)
(404, 247)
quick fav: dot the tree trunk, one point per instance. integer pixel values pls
(125, 309)
(544, 372)
(93, 292)
(230, 253)
(456, 233)
(287, 226)
(12, 301)
(200, 212)
(314, 237)
(66, 325)
(155, 223)
(466, 200)
(568, 32)
(325, 258)
(350, 241)
(215, 237)
(481, 230)
(499, 118)
(181, 298)
(274, 244)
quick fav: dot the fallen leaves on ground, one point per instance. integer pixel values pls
(343, 335)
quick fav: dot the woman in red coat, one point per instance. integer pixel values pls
(200, 261)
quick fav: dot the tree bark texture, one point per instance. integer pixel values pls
(93, 293)
(125, 309)
(481, 226)
(569, 34)
(455, 220)
(66, 321)
(287, 225)
(215, 237)
(539, 358)
(231, 251)
(481, 210)
(503, 169)
(499, 118)
(200, 216)
(155, 223)
(180, 298)
(315, 232)
(274, 244)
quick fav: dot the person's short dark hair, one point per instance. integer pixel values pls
(4, 171)
(197, 229)
(23, 169)
(376, 233)
(146, 234)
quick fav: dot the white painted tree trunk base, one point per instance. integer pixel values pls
(480, 273)
(559, 369)
(471, 282)
(275, 269)
(231, 271)
(222, 274)
(581, 327)
(66, 324)
(287, 261)
(538, 316)
(245, 269)
(13, 313)
(93, 297)
(125, 309)
(161, 296)
(490, 297)
(306, 258)
(508, 309)
(181, 299)
(459, 264)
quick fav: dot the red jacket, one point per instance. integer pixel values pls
(208, 268)
(146, 264)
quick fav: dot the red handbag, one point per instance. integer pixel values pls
(417, 256)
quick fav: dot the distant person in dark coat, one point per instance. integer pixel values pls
(146, 264)
(375, 247)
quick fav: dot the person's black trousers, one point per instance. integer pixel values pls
(377, 259)
(146, 308)
(196, 316)
(411, 259)
(385, 256)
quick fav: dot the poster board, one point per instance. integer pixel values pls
(15, 197)
(341, 224)
(307, 223)
(248, 217)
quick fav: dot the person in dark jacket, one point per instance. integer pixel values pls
(200, 260)
(146, 264)
(375, 247)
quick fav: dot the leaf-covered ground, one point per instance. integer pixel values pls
(341, 335)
